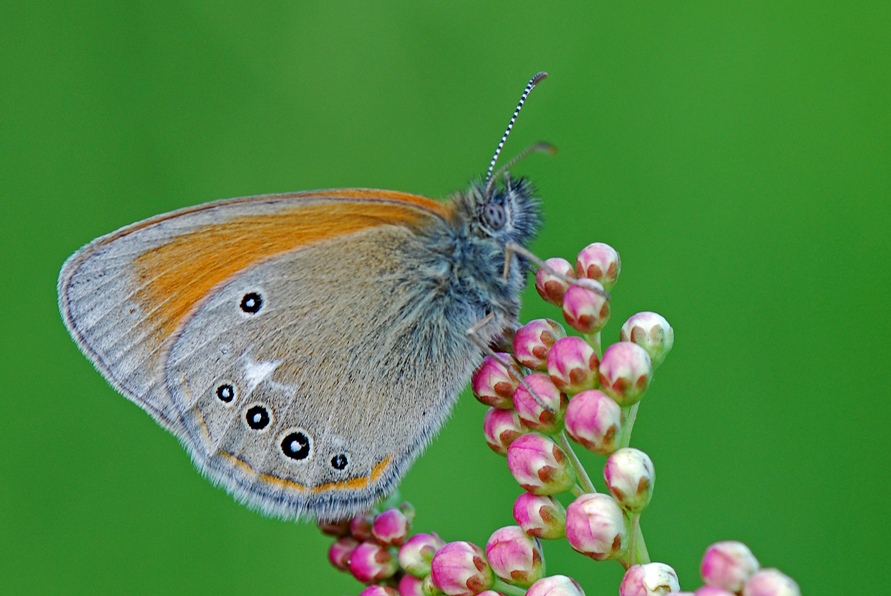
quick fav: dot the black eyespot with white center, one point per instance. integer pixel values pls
(339, 461)
(295, 445)
(226, 393)
(493, 216)
(257, 417)
(251, 303)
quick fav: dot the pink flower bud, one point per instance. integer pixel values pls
(417, 552)
(336, 528)
(594, 420)
(410, 585)
(390, 528)
(514, 556)
(625, 372)
(549, 286)
(339, 552)
(540, 516)
(650, 579)
(600, 262)
(533, 341)
(532, 415)
(460, 569)
(728, 565)
(555, 585)
(712, 591)
(651, 332)
(572, 364)
(360, 526)
(493, 383)
(539, 465)
(595, 526)
(630, 476)
(501, 428)
(771, 582)
(490, 593)
(378, 591)
(585, 308)
(371, 562)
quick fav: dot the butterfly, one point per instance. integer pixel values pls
(305, 347)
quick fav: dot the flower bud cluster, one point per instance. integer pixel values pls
(549, 385)
(728, 569)
(376, 550)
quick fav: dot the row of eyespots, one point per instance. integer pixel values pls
(295, 445)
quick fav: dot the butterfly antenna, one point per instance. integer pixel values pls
(539, 147)
(490, 179)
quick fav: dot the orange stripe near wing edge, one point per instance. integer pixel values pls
(176, 276)
(352, 483)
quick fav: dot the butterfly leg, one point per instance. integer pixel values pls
(473, 334)
(512, 247)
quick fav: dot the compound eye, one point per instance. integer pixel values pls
(494, 217)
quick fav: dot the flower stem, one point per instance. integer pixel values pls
(580, 472)
(594, 340)
(639, 553)
(508, 589)
(631, 416)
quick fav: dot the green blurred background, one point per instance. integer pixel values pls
(737, 156)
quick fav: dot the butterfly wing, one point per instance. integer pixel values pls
(294, 343)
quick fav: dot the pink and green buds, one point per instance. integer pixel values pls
(533, 341)
(595, 526)
(372, 562)
(531, 413)
(539, 465)
(585, 306)
(339, 553)
(501, 428)
(460, 569)
(572, 364)
(540, 516)
(555, 585)
(417, 553)
(379, 591)
(360, 526)
(728, 565)
(600, 262)
(514, 556)
(630, 476)
(391, 527)
(493, 383)
(594, 420)
(770, 582)
(625, 372)
(651, 332)
(410, 585)
(552, 287)
(650, 579)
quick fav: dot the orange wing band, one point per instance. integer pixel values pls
(350, 484)
(178, 275)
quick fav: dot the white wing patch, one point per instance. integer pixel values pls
(257, 372)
